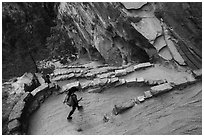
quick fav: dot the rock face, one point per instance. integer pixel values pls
(136, 32)
(185, 20)
(105, 28)
(25, 83)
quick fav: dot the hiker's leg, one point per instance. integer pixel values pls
(79, 107)
(72, 111)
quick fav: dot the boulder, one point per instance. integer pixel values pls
(140, 80)
(161, 88)
(27, 82)
(120, 82)
(113, 80)
(141, 98)
(105, 118)
(63, 77)
(41, 88)
(120, 108)
(77, 75)
(62, 71)
(78, 70)
(179, 82)
(131, 80)
(103, 81)
(119, 73)
(191, 80)
(151, 82)
(160, 82)
(106, 75)
(142, 65)
(14, 126)
(96, 82)
(40, 78)
(147, 94)
(130, 69)
(197, 73)
(90, 75)
(17, 110)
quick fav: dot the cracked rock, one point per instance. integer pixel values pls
(17, 111)
(130, 69)
(197, 73)
(120, 108)
(14, 125)
(141, 98)
(161, 88)
(119, 73)
(147, 94)
(140, 80)
(40, 89)
(131, 80)
(142, 65)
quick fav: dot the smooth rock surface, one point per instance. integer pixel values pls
(14, 125)
(40, 88)
(17, 111)
(161, 88)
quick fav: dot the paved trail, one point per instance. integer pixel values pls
(176, 112)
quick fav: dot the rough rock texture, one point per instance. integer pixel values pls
(26, 105)
(120, 108)
(185, 21)
(17, 111)
(136, 32)
(39, 89)
(27, 82)
(161, 88)
(105, 28)
(14, 125)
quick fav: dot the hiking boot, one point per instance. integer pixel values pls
(80, 107)
(69, 118)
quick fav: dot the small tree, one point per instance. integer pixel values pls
(25, 29)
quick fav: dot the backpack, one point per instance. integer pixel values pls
(72, 100)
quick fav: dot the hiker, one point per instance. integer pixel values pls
(71, 100)
(47, 79)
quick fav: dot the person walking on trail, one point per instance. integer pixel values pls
(47, 79)
(71, 100)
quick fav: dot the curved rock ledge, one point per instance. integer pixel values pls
(29, 102)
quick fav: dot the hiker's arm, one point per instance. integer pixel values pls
(65, 99)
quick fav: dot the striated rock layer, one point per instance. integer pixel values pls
(119, 33)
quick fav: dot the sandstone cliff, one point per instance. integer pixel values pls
(120, 33)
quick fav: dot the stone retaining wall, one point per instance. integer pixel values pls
(157, 90)
(29, 102)
(100, 72)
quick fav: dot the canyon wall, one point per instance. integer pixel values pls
(119, 33)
